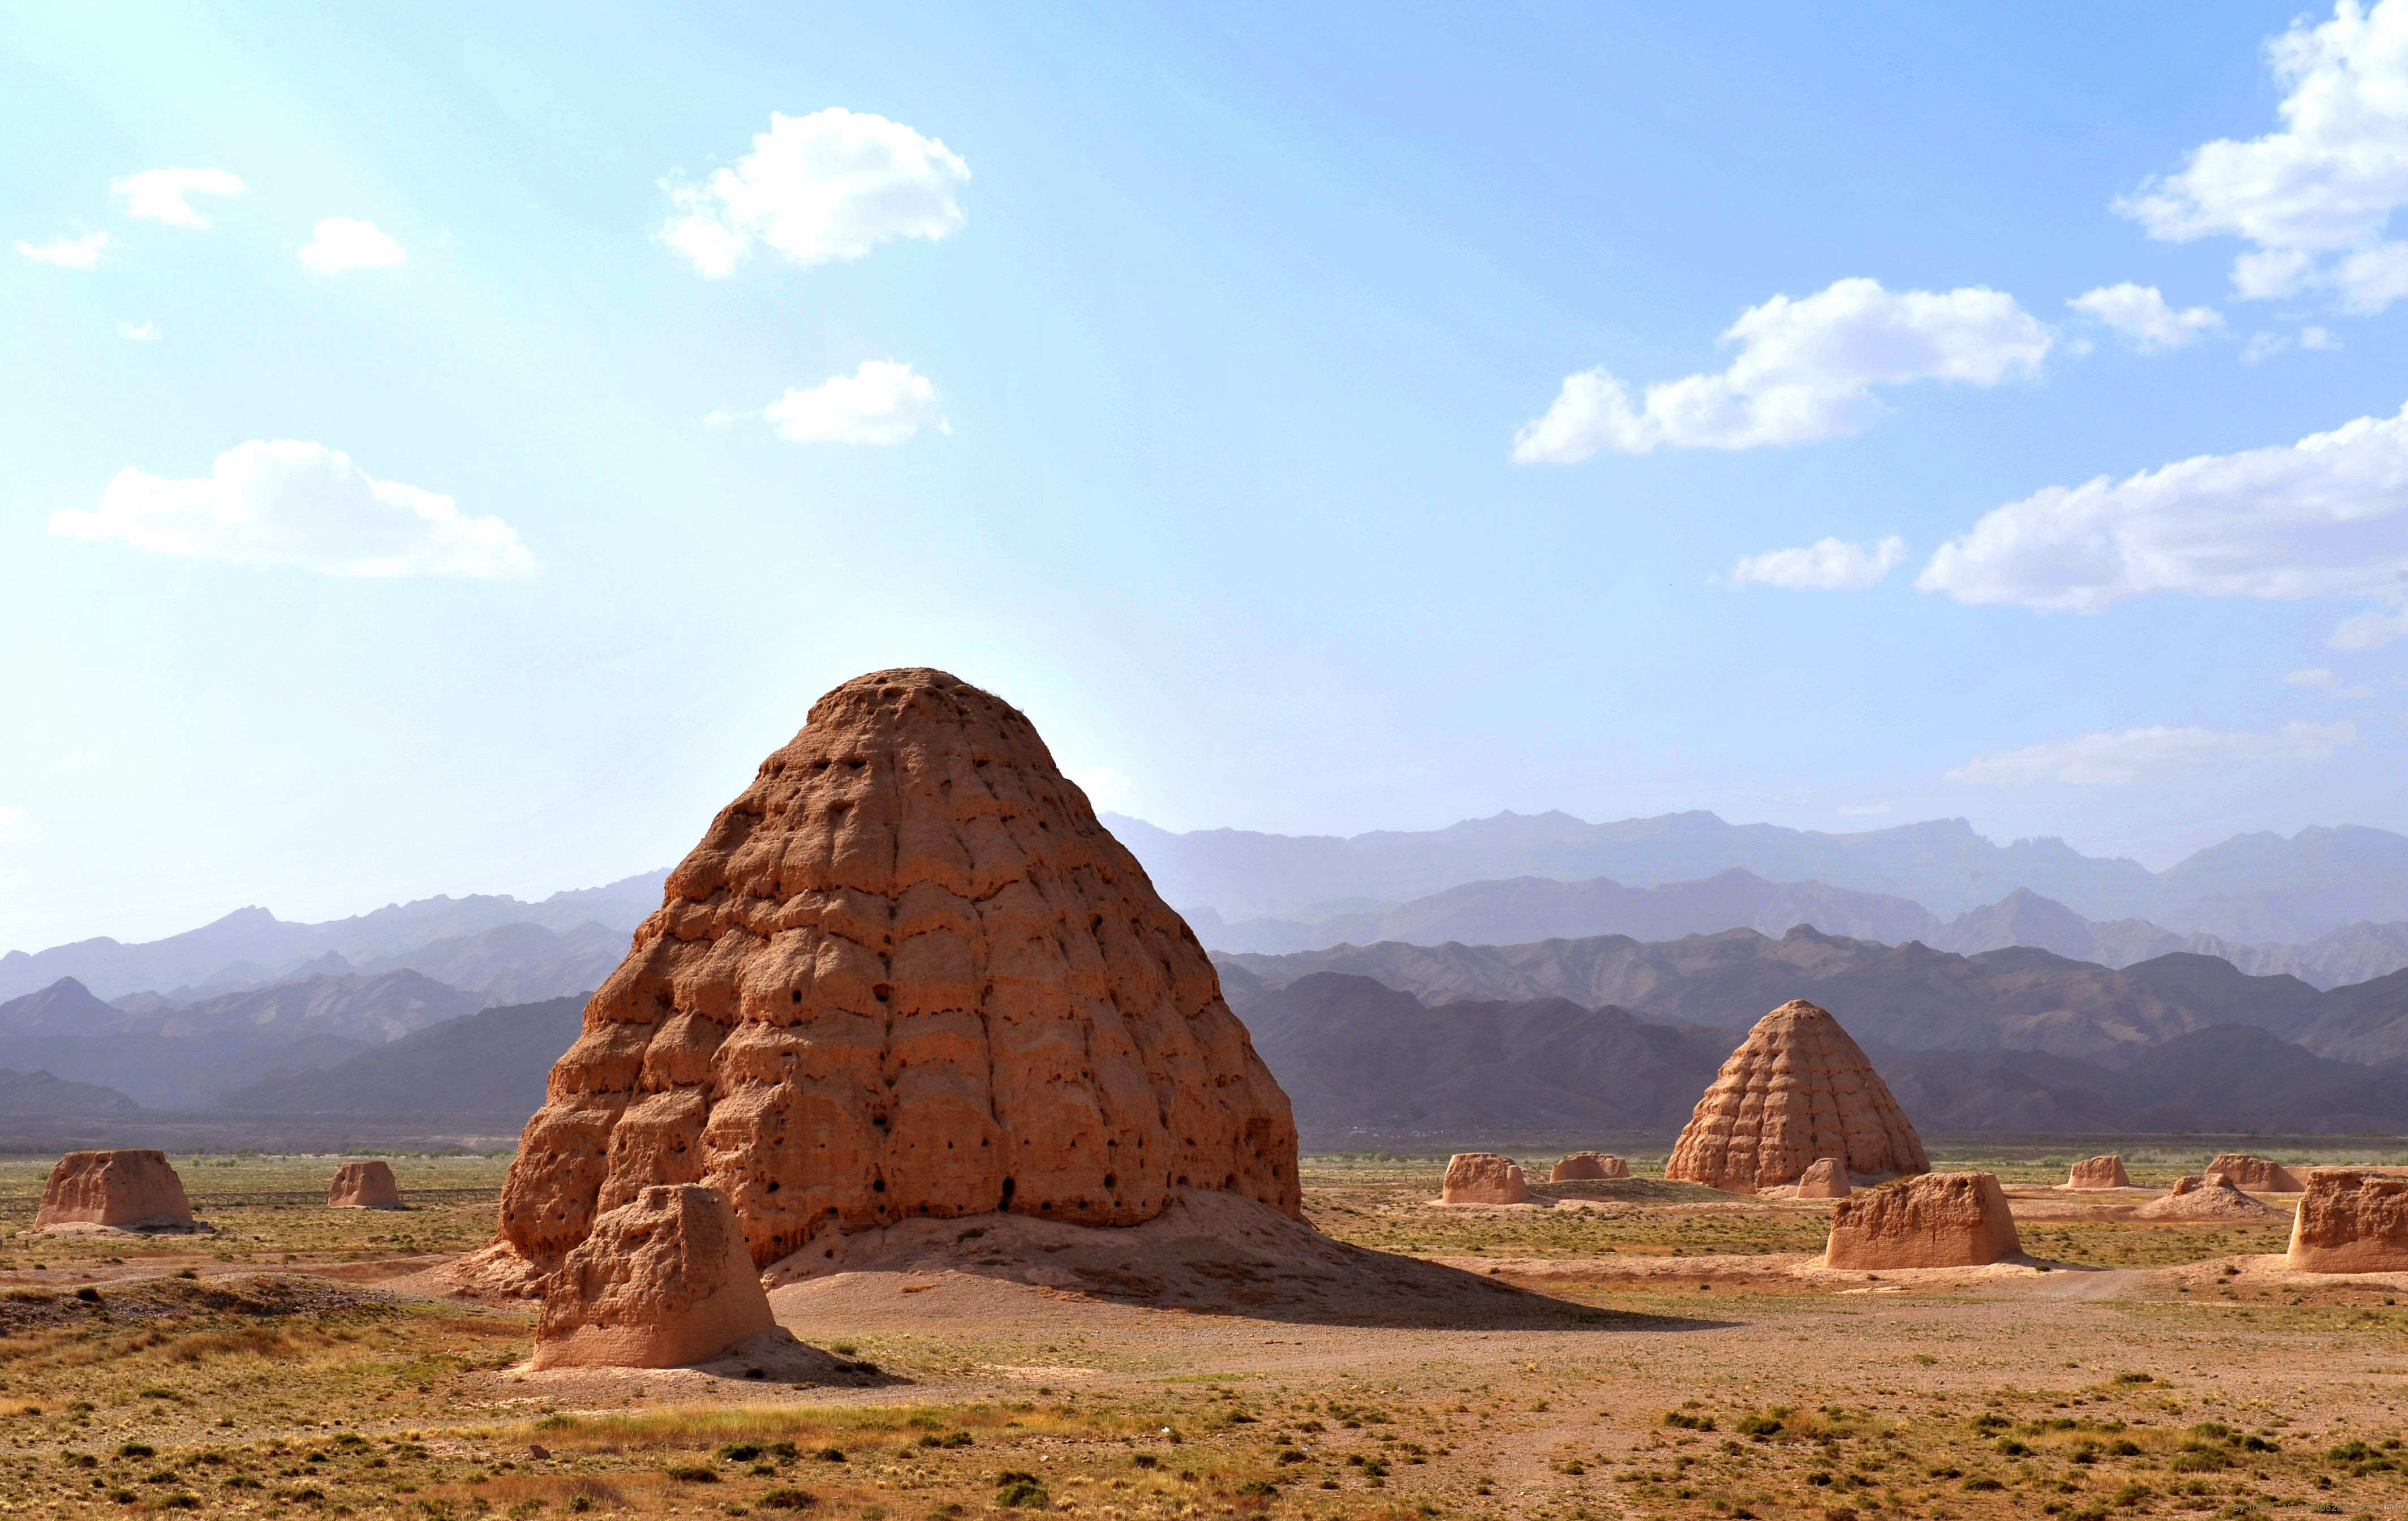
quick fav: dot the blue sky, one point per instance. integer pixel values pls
(1259, 398)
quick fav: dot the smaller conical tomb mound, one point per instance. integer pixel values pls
(906, 974)
(1797, 1088)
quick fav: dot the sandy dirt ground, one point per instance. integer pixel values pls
(1639, 1351)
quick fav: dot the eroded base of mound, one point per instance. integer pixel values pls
(1211, 1253)
(492, 1275)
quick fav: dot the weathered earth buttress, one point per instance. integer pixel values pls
(906, 973)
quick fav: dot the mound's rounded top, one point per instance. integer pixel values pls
(893, 691)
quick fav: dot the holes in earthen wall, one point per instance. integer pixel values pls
(1011, 1186)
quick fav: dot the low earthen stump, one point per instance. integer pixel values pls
(2258, 1174)
(1483, 1178)
(662, 1280)
(2351, 1221)
(364, 1185)
(1826, 1177)
(1936, 1220)
(2099, 1172)
(2205, 1197)
(1583, 1166)
(127, 1190)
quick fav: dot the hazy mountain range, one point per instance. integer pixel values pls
(2254, 888)
(1528, 908)
(251, 946)
(1362, 1061)
(1908, 996)
(2022, 987)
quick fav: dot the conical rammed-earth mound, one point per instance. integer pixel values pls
(906, 973)
(1797, 1088)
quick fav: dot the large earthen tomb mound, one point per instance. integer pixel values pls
(2351, 1221)
(120, 1190)
(906, 974)
(1937, 1220)
(1797, 1089)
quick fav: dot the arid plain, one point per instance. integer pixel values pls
(1671, 1352)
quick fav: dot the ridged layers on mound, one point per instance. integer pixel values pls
(1579, 1167)
(906, 973)
(1797, 1088)
(2099, 1172)
(1937, 1220)
(2351, 1221)
(125, 1189)
(662, 1280)
(1484, 1178)
(2257, 1172)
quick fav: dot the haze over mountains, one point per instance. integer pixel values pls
(1524, 996)
(1533, 907)
(2254, 888)
(251, 946)
(1364, 1061)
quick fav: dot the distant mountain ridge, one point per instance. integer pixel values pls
(251, 946)
(1361, 1060)
(2259, 887)
(1528, 908)
(1910, 997)
(495, 1061)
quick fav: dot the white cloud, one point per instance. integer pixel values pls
(158, 194)
(2100, 759)
(64, 253)
(2315, 197)
(2141, 315)
(290, 503)
(880, 403)
(2323, 517)
(819, 189)
(1827, 564)
(2326, 683)
(16, 826)
(1806, 369)
(340, 243)
(2370, 630)
(1105, 788)
(2262, 346)
(142, 332)
(2317, 337)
